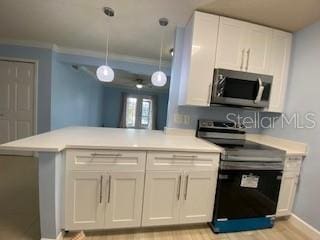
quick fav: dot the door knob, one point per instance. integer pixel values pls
(1, 115)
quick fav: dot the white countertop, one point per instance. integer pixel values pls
(291, 147)
(109, 138)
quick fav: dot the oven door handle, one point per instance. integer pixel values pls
(260, 91)
(229, 165)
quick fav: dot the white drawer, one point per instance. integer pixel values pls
(293, 164)
(182, 161)
(105, 160)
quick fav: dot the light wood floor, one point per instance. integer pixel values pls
(19, 207)
(282, 230)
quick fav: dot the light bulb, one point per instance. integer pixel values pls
(105, 73)
(159, 79)
(139, 85)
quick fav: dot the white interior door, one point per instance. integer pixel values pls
(17, 81)
(198, 197)
(124, 194)
(161, 198)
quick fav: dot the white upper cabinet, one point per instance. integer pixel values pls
(198, 59)
(231, 48)
(279, 67)
(258, 50)
(243, 46)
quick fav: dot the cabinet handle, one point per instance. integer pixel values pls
(186, 189)
(209, 93)
(242, 59)
(248, 58)
(184, 156)
(179, 186)
(100, 197)
(109, 189)
(106, 155)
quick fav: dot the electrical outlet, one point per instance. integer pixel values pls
(186, 119)
(178, 118)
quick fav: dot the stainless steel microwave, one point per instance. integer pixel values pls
(241, 88)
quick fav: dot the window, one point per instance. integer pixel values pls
(131, 112)
(139, 112)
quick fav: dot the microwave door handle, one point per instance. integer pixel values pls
(260, 91)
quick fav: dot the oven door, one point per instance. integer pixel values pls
(247, 193)
(241, 88)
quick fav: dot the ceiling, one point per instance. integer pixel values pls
(126, 79)
(134, 29)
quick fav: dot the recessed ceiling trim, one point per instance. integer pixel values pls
(85, 53)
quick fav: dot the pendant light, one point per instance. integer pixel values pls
(104, 72)
(159, 78)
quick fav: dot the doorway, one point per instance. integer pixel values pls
(18, 174)
(17, 100)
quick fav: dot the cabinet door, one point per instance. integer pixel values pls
(258, 50)
(161, 198)
(198, 197)
(279, 67)
(200, 41)
(232, 45)
(124, 193)
(84, 206)
(287, 193)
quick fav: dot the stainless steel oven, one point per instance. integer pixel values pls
(249, 178)
(241, 88)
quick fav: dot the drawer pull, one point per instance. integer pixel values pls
(100, 197)
(186, 190)
(109, 189)
(184, 156)
(106, 155)
(179, 187)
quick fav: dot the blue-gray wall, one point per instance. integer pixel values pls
(112, 105)
(303, 97)
(44, 58)
(195, 113)
(55, 80)
(76, 97)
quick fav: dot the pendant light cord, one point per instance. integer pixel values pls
(161, 48)
(107, 44)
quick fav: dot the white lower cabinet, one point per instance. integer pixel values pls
(287, 193)
(124, 194)
(161, 198)
(198, 197)
(178, 197)
(119, 190)
(289, 185)
(84, 206)
(97, 200)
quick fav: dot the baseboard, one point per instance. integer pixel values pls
(304, 227)
(59, 237)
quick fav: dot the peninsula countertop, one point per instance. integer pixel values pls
(110, 138)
